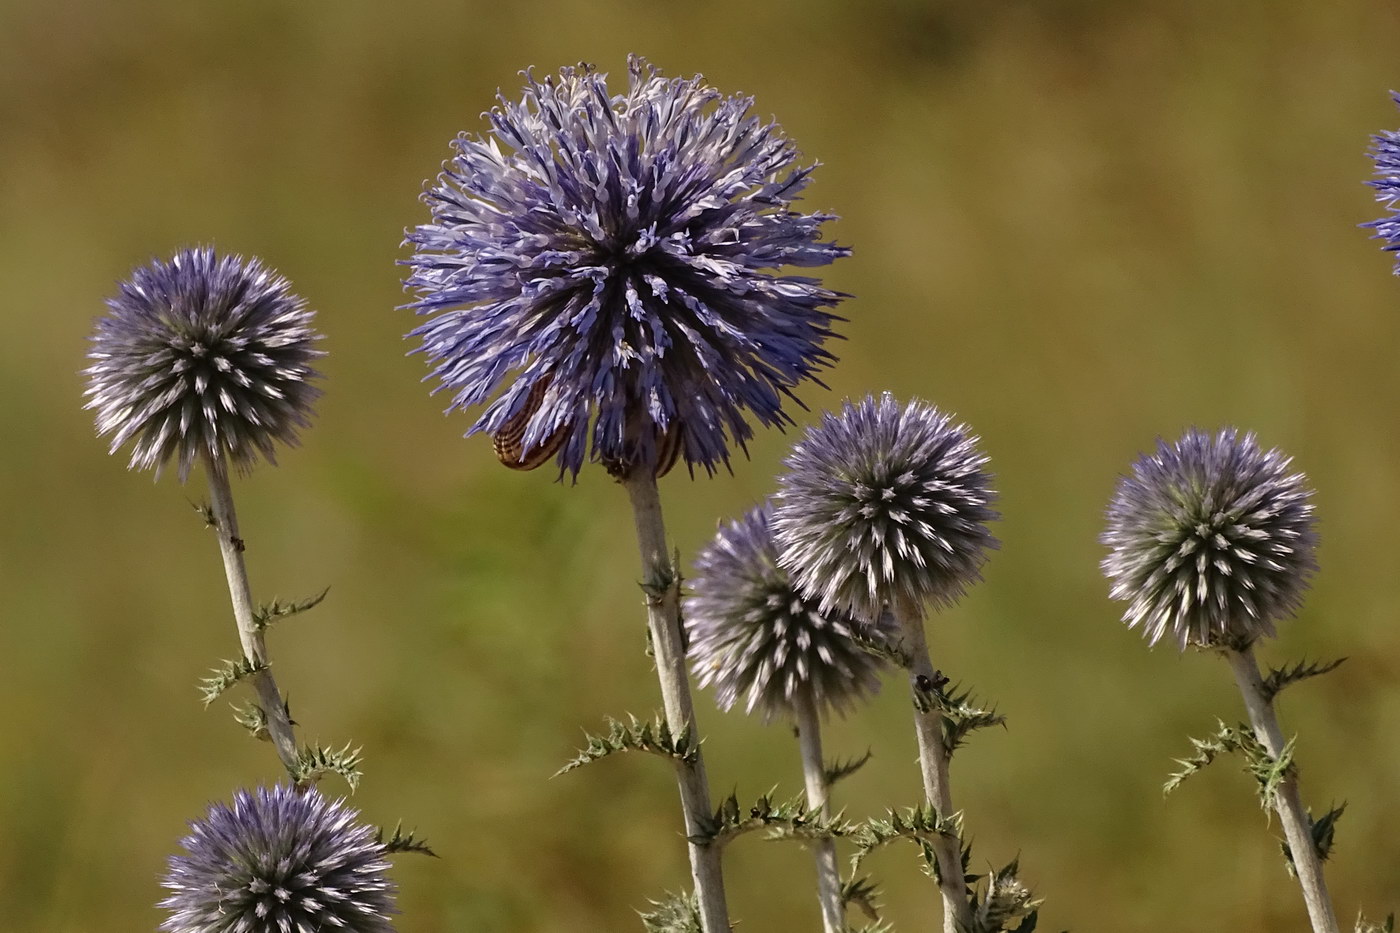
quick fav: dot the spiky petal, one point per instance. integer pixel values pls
(754, 638)
(202, 353)
(603, 266)
(279, 861)
(1210, 539)
(884, 503)
(1385, 153)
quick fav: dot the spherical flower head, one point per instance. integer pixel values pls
(884, 505)
(1210, 539)
(1385, 153)
(602, 268)
(279, 861)
(753, 636)
(202, 353)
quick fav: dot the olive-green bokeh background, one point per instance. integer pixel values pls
(1077, 224)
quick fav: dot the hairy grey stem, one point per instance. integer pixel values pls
(1288, 801)
(668, 646)
(933, 761)
(809, 738)
(279, 727)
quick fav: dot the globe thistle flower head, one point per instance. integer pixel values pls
(1210, 539)
(202, 353)
(1385, 153)
(603, 268)
(755, 639)
(885, 504)
(279, 861)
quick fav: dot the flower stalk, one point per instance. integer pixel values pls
(668, 646)
(809, 739)
(933, 763)
(250, 636)
(1287, 801)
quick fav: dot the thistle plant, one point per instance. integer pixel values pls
(885, 508)
(1211, 540)
(278, 861)
(210, 358)
(759, 643)
(602, 273)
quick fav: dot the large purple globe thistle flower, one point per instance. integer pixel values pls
(884, 504)
(607, 259)
(753, 636)
(1211, 539)
(1385, 153)
(202, 353)
(279, 861)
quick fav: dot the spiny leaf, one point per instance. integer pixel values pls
(675, 913)
(1004, 898)
(919, 825)
(863, 893)
(839, 770)
(1323, 831)
(635, 736)
(270, 612)
(1282, 677)
(1268, 772)
(206, 512)
(787, 820)
(1366, 926)
(316, 761)
(888, 650)
(252, 717)
(403, 842)
(225, 676)
(962, 716)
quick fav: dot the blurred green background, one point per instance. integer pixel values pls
(1077, 224)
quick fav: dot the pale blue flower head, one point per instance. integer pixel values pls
(1211, 540)
(604, 271)
(203, 353)
(885, 504)
(759, 642)
(279, 861)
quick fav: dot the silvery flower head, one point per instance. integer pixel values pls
(279, 861)
(1385, 153)
(602, 269)
(202, 353)
(1210, 539)
(885, 504)
(754, 638)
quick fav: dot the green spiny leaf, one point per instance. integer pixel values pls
(789, 819)
(840, 770)
(888, 650)
(252, 717)
(1226, 739)
(863, 893)
(316, 761)
(1003, 898)
(403, 842)
(1366, 926)
(271, 612)
(635, 736)
(1323, 831)
(962, 716)
(1282, 677)
(919, 825)
(675, 913)
(225, 676)
(206, 512)
(1268, 771)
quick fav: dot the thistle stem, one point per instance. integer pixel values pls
(809, 738)
(933, 761)
(662, 587)
(1287, 801)
(279, 726)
